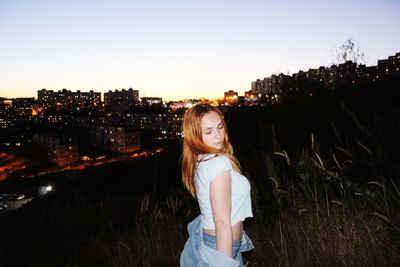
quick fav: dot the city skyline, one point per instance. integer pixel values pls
(180, 50)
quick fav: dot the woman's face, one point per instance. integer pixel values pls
(212, 130)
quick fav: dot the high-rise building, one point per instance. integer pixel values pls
(120, 101)
(66, 99)
(275, 84)
(115, 138)
(389, 68)
(16, 112)
(62, 150)
(23, 106)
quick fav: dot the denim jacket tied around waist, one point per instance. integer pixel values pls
(196, 253)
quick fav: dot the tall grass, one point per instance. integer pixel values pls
(332, 209)
(325, 217)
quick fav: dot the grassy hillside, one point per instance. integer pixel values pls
(325, 190)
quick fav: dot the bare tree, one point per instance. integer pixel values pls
(348, 51)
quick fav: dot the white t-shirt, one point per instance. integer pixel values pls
(210, 166)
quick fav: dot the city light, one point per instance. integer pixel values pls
(44, 190)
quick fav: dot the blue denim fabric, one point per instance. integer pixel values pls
(196, 253)
(211, 241)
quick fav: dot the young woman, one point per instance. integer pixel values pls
(211, 174)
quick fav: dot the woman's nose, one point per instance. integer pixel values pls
(218, 135)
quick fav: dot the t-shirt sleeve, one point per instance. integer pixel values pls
(216, 166)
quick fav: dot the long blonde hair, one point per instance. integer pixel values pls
(193, 144)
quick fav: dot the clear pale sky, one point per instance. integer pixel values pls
(180, 49)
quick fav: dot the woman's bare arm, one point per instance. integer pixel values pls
(221, 208)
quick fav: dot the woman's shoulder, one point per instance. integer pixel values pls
(211, 165)
(215, 160)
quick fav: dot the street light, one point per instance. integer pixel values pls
(43, 190)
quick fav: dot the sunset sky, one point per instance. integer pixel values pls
(180, 49)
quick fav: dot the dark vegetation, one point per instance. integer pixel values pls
(325, 187)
